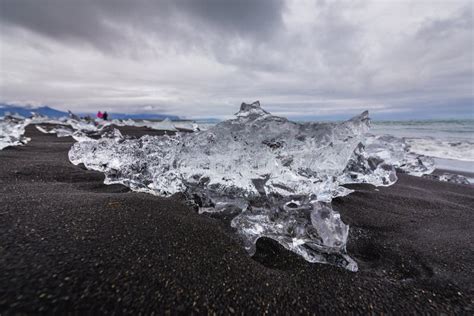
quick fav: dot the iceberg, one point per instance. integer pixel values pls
(60, 131)
(278, 176)
(186, 126)
(12, 128)
(377, 159)
(398, 153)
(165, 125)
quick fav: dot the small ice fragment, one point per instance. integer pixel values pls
(448, 177)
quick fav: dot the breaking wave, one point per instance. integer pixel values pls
(457, 150)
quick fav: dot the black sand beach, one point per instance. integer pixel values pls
(69, 243)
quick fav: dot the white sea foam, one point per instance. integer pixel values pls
(458, 150)
(450, 142)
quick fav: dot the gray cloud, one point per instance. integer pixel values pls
(203, 57)
(110, 24)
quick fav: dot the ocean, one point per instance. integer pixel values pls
(449, 142)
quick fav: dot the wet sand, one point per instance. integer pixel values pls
(69, 243)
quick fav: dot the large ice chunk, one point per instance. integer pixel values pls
(278, 174)
(376, 160)
(397, 152)
(12, 127)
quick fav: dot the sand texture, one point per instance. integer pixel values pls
(69, 243)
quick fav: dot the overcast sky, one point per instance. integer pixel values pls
(202, 58)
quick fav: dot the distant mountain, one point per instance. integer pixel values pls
(26, 110)
(46, 110)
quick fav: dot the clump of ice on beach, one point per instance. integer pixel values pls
(398, 153)
(12, 129)
(448, 177)
(164, 125)
(278, 176)
(377, 159)
(275, 176)
(60, 131)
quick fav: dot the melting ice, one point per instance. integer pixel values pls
(277, 176)
(12, 129)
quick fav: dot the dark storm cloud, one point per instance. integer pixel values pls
(243, 17)
(61, 20)
(107, 24)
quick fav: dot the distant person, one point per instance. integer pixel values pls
(105, 116)
(100, 115)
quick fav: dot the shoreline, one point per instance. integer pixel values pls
(465, 168)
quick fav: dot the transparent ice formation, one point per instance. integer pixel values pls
(12, 129)
(376, 160)
(278, 177)
(398, 153)
(164, 125)
(448, 177)
(60, 131)
(186, 126)
(79, 129)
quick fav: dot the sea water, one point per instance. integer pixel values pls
(449, 142)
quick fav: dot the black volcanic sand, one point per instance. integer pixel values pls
(140, 131)
(69, 243)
